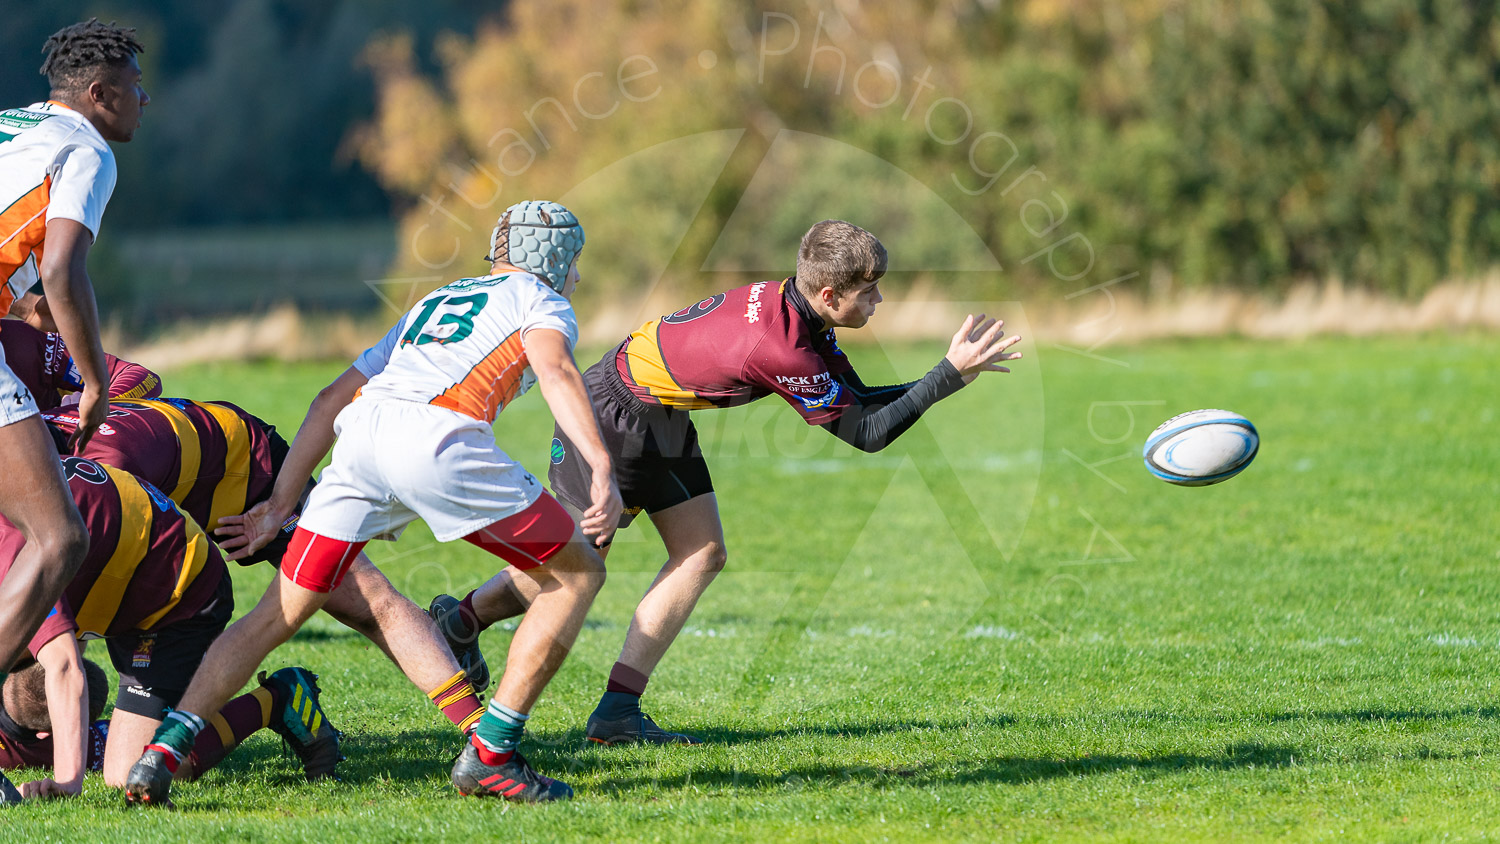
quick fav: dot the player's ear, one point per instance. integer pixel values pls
(98, 92)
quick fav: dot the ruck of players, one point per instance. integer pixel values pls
(128, 510)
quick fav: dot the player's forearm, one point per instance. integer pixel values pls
(871, 428)
(866, 394)
(70, 299)
(67, 707)
(314, 438)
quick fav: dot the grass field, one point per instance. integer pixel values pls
(974, 635)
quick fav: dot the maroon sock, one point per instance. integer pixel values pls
(626, 680)
(467, 613)
(237, 721)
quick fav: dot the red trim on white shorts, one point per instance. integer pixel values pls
(316, 562)
(529, 538)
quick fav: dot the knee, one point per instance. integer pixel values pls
(359, 612)
(593, 571)
(64, 548)
(580, 568)
(709, 559)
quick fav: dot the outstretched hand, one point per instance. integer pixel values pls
(978, 347)
(240, 536)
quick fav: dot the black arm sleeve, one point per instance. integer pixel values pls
(871, 424)
(865, 394)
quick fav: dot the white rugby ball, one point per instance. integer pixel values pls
(1201, 447)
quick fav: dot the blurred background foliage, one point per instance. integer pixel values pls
(1196, 144)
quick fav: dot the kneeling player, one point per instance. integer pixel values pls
(415, 440)
(26, 728)
(156, 590)
(26, 735)
(216, 460)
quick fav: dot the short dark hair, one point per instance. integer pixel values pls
(25, 696)
(839, 255)
(75, 53)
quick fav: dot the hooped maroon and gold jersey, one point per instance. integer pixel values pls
(212, 458)
(44, 366)
(735, 347)
(148, 565)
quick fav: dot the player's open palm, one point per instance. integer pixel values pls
(243, 535)
(979, 346)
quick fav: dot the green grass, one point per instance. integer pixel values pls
(973, 636)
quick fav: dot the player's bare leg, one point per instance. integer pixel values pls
(34, 496)
(506, 595)
(227, 667)
(564, 588)
(129, 733)
(369, 604)
(233, 657)
(275, 704)
(694, 539)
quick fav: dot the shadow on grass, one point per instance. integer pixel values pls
(999, 770)
(1349, 715)
(418, 756)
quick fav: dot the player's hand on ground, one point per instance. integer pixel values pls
(979, 346)
(599, 520)
(240, 536)
(49, 788)
(93, 407)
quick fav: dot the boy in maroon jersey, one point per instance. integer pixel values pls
(215, 460)
(26, 722)
(42, 363)
(724, 351)
(155, 588)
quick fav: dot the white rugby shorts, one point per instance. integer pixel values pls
(16, 402)
(396, 461)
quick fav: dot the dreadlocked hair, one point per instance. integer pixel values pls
(75, 53)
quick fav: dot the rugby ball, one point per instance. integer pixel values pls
(1201, 447)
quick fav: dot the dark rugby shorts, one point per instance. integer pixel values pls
(156, 667)
(655, 450)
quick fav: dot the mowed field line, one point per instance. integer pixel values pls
(1000, 628)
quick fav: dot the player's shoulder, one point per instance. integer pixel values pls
(53, 123)
(516, 286)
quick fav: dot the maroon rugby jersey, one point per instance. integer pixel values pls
(21, 748)
(42, 363)
(148, 564)
(212, 458)
(735, 347)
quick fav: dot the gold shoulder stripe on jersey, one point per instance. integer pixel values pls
(136, 517)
